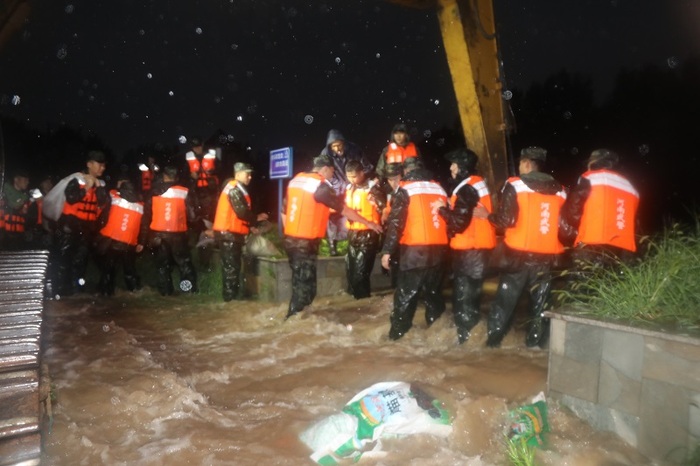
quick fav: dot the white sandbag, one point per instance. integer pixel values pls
(54, 199)
(259, 246)
(387, 409)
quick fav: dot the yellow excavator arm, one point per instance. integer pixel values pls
(469, 38)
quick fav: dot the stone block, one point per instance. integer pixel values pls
(664, 418)
(606, 419)
(574, 378)
(672, 360)
(617, 391)
(557, 339)
(624, 352)
(584, 343)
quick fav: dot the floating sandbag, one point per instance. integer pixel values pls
(529, 423)
(387, 409)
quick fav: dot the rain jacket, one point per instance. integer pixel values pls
(233, 212)
(83, 207)
(521, 241)
(351, 151)
(410, 148)
(405, 214)
(602, 207)
(123, 217)
(151, 214)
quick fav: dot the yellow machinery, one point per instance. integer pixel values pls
(468, 35)
(13, 13)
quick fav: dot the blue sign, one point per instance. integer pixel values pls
(281, 163)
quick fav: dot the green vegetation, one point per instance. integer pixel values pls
(519, 453)
(661, 287)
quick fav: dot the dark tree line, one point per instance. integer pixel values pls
(650, 118)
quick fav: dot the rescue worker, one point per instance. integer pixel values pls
(310, 197)
(148, 171)
(418, 233)
(602, 211)
(85, 198)
(471, 239)
(529, 213)
(205, 186)
(14, 216)
(233, 221)
(393, 173)
(118, 241)
(164, 223)
(341, 151)
(364, 197)
(398, 150)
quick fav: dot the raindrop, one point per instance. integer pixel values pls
(81, 281)
(574, 151)
(162, 346)
(15, 100)
(567, 115)
(69, 9)
(440, 142)
(149, 76)
(378, 55)
(436, 102)
(105, 328)
(115, 400)
(234, 46)
(644, 149)
(337, 60)
(507, 95)
(672, 62)
(427, 133)
(62, 52)
(171, 93)
(252, 108)
(182, 139)
(142, 32)
(198, 30)
(124, 115)
(308, 119)
(229, 138)
(239, 118)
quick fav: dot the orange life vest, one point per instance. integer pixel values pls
(13, 222)
(124, 220)
(480, 234)
(204, 169)
(170, 211)
(357, 198)
(305, 218)
(85, 209)
(609, 212)
(537, 227)
(397, 154)
(226, 218)
(424, 225)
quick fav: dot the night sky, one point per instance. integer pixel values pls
(282, 73)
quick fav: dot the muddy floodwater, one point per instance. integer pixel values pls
(143, 380)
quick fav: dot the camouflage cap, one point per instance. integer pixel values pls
(96, 156)
(242, 167)
(465, 158)
(604, 155)
(323, 161)
(412, 163)
(393, 169)
(534, 153)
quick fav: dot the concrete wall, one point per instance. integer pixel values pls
(642, 385)
(271, 279)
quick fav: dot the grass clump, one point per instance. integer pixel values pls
(519, 453)
(661, 287)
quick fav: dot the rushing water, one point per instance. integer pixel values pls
(145, 380)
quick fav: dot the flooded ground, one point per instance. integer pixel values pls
(145, 380)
